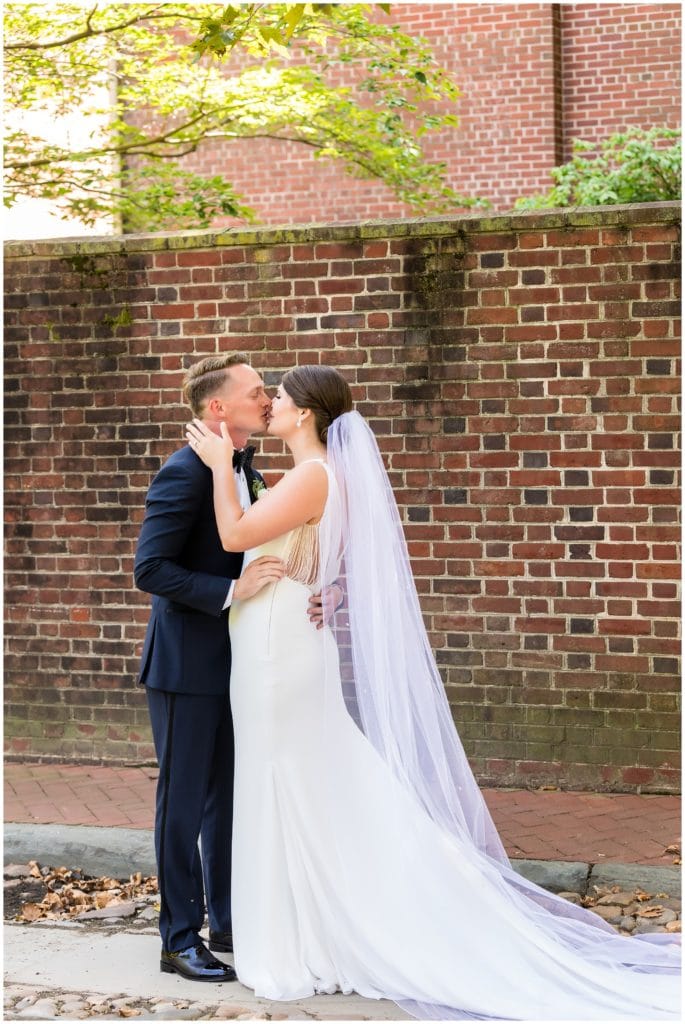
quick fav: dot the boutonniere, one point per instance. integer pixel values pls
(257, 487)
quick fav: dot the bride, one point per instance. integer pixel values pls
(364, 856)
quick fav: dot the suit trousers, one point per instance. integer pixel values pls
(193, 736)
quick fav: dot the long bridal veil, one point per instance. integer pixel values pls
(394, 692)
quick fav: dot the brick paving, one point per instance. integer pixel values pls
(590, 827)
(538, 824)
(70, 794)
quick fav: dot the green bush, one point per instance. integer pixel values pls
(635, 166)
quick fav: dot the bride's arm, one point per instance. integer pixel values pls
(296, 499)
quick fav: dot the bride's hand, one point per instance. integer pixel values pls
(214, 451)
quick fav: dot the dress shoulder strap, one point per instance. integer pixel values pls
(323, 462)
(329, 474)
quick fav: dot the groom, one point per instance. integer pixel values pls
(186, 665)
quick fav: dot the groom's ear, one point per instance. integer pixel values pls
(216, 407)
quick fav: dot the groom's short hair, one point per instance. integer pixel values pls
(207, 377)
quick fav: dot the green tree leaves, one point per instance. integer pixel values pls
(150, 83)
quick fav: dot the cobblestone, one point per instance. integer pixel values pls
(66, 1005)
(82, 1006)
(608, 913)
(633, 912)
(23, 1003)
(73, 1006)
(41, 1009)
(666, 917)
(646, 928)
(618, 899)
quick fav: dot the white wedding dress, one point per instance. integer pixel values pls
(341, 880)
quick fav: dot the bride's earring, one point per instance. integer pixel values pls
(299, 422)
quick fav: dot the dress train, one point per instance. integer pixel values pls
(342, 881)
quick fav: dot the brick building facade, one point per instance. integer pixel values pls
(521, 376)
(533, 78)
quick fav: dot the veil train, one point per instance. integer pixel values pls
(394, 691)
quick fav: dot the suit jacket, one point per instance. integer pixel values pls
(181, 562)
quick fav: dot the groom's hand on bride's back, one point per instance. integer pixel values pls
(257, 575)
(323, 605)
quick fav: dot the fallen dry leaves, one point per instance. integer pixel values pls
(655, 911)
(599, 892)
(71, 893)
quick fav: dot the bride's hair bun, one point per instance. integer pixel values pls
(321, 389)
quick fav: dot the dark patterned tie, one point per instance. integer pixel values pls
(243, 458)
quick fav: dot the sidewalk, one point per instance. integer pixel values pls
(100, 819)
(537, 825)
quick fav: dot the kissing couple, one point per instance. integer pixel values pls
(304, 736)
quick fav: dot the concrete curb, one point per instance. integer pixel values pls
(119, 852)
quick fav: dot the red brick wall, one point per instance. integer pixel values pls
(533, 78)
(621, 66)
(520, 374)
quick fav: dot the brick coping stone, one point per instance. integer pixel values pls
(590, 216)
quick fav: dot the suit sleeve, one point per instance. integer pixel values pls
(171, 511)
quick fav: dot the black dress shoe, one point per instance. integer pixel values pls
(222, 942)
(197, 964)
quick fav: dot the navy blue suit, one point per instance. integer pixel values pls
(185, 667)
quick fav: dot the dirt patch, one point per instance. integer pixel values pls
(17, 892)
(35, 893)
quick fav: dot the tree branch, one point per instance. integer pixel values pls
(89, 32)
(112, 192)
(90, 17)
(138, 148)
(352, 153)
